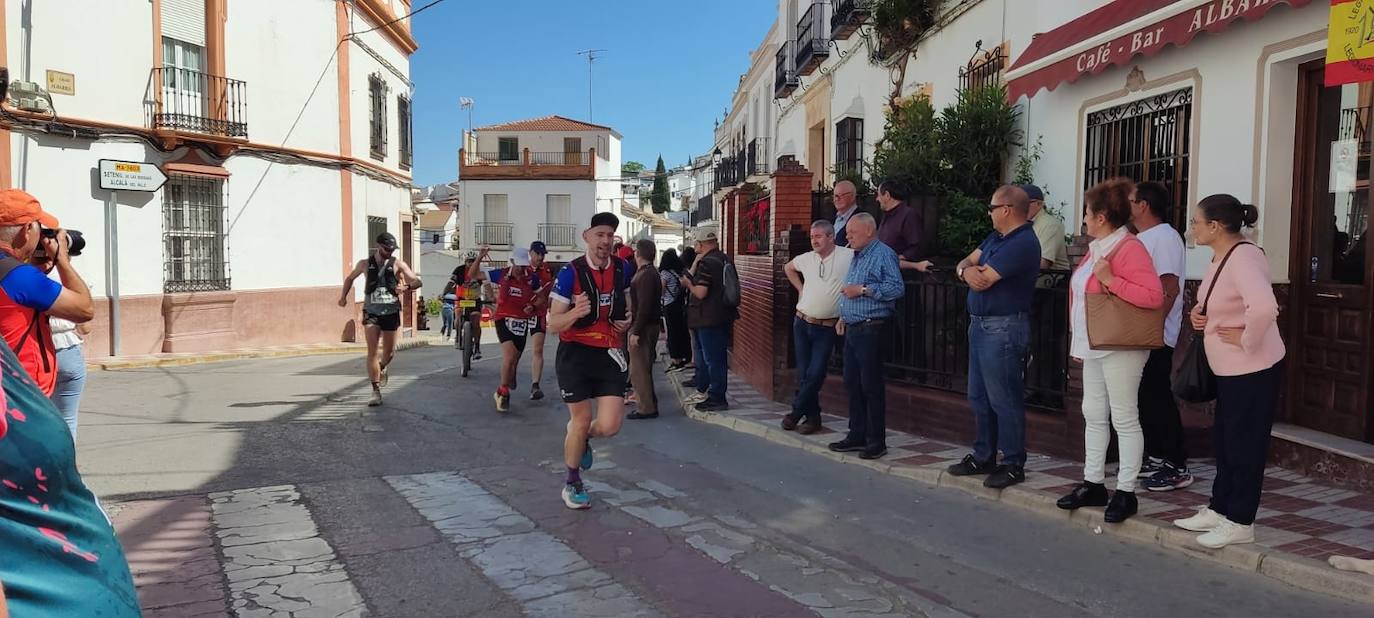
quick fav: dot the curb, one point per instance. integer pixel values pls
(1291, 569)
(116, 364)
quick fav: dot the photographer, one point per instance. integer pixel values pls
(27, 296)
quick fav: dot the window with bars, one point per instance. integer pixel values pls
(1148, 139)
(984, 69)
(849, 146)
(403, 129)
(194, 237)
(376, 88)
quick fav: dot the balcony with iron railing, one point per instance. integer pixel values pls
(813, 44)
(849, 15)
(558, 235)
(785, 80)
(493, 234)
(758, 161)
(196, 102)
(527, 165)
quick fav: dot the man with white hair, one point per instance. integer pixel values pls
(818, 275)
(871, 290)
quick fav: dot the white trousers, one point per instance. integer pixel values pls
(1111, 387)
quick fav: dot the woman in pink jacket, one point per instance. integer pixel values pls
(1117, 263)
(1241, 335)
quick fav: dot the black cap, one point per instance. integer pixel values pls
(605, 218)
(385, 239)
(538, 247)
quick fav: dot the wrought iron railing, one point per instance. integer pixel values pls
(186, 100)
(704, 210)
(493, 234)
(785, 80)
(559, 158)
(562, 235)
(492, 158)
(849, 15)
(928, 338)
(757, 161)
(812, 46)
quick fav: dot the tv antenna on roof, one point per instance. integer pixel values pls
(591, 58)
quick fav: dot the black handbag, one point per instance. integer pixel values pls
(1194, 381)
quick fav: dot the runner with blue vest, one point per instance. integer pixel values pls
(590, 314)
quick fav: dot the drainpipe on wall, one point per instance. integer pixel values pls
(26, 63)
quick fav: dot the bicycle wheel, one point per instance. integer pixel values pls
(467, 347)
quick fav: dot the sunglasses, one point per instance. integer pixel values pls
(994, 207)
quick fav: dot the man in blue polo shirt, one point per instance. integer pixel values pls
(1001, 276)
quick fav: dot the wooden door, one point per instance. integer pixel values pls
(1329, 322)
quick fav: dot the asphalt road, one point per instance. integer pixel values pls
(267, 488)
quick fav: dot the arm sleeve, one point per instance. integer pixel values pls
(29, 287)
(563, 285)
(629, 273)
(889, 285)
(1023, 259)
(1251, 276)
(912, 228)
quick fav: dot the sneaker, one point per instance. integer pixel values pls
(1206, 520)
(1168, 478)
(376, 399)
(971, 467)
(477, 354)
(1005, 476)
(1227, 533)
(694, 398)
(502, 401)
(712, 406)
(1122, 505)
(1150, 467)
(382, 382)
(587, 457)
(575, 496)
(848, 446)
(1084, 494)
(873, 452)
(535, 392)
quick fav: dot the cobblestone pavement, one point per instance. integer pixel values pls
(267, 488)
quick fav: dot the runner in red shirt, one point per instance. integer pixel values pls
(517, 303)
(590, 313)
(542, 279)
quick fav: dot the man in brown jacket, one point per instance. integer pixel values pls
(645, 290)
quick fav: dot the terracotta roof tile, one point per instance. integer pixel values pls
(547, 123)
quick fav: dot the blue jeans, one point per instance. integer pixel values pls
(863, 378)
(712, 371)
(447, 313)
(997, 348)
(71, 380)
(813, 344)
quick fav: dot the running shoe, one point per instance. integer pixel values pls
(1169, 478)
(587, 458)
(502, 401)
(575, 496)
(476, 353)
(382, 382)
(1150, 466)
(694, 398)
(535, 392)
(376, 399)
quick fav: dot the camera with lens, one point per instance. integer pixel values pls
(75, 241)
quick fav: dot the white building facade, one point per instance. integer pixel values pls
(538, 179)
(273, 193)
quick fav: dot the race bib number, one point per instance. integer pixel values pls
(517, 327)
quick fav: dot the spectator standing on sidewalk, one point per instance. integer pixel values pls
(646, 292)
(1240, 330)
(711, 317)
(674, 303)
(903, 227)
(846, 205)
(1166, 463)
(818, 276)
(872, 287)
(71, 368)
(1049, 230)
(1001, 275)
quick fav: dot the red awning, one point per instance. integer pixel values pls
(1120, 31)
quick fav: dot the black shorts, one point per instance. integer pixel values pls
(538, 327)
(389, 322)
(516, 335)
(585, 372)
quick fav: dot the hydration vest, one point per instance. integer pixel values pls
(587, 281)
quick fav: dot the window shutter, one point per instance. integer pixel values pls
(184, 20)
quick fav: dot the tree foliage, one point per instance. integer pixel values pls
(630, 168)
(659, 196)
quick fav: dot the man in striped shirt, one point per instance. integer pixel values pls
(869, 301)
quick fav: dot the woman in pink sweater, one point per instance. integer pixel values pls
(1117, 263)
(1241, 335)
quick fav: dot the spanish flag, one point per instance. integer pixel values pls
(1350, 42)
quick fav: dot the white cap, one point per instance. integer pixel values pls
(520, 256)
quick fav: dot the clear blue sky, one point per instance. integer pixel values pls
(670, 69)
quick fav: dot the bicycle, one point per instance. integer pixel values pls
(466, 334)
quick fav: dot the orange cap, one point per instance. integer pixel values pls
(19, 208)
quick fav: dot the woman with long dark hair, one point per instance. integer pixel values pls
(1239, 322)
(674, 302)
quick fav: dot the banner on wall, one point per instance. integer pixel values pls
(1350, 42)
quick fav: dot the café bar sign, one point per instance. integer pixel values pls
(1084, 52)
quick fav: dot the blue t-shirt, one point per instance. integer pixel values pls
(29, 287)
(1016, 257)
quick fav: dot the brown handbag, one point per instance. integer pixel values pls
(1115, 324)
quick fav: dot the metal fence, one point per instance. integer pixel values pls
(493, 234)
(558, 234)
(928, 338)
(559, 158)
(492, 158)
(187, 100)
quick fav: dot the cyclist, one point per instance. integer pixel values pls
(469, 290)
(541, 276)
(590, 313)
(388, 278)
(517, 302)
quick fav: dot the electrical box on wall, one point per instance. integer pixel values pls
(29, 96)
